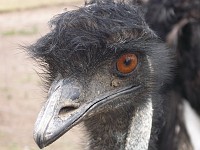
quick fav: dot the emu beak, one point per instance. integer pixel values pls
(61, 111)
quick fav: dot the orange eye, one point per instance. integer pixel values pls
(127, 63)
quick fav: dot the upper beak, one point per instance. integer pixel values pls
(59, 113)
(62, 111)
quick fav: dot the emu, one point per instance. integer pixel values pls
(106, 68)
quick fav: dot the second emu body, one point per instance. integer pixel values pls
(106, 68)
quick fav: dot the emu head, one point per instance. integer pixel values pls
(100, 59)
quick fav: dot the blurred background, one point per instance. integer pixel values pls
(22, 22)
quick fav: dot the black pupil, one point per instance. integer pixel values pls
(127, 61)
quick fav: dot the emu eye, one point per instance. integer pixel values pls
(127, 63)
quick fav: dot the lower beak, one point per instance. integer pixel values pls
(61, 112)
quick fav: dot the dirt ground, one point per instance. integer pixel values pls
(21, 94)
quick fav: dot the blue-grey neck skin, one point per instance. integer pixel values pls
(125, 128)
(108, 131)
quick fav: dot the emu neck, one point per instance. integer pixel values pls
(108, 131)
(120, 129)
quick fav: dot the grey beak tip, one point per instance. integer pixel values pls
(39, 141)
(40, 144)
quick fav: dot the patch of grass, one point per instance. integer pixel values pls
(13, 146)
(13, 5)
(13, 32)
(28, 78)
(7, 92)
(2, 135)
(4, 89)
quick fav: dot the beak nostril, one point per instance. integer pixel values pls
(68, 109)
